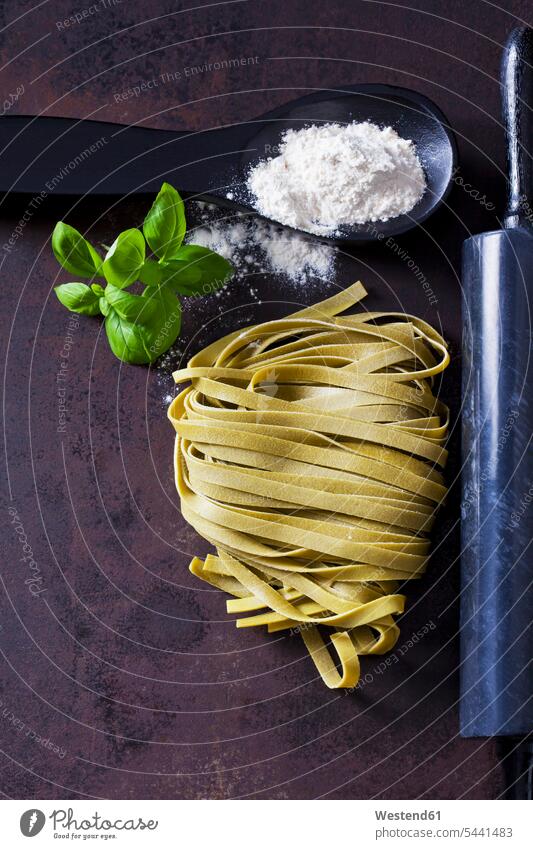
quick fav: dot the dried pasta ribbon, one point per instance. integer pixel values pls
(309, 452)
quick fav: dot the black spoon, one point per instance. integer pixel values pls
(64, 156)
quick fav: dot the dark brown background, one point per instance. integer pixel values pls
(125, 661)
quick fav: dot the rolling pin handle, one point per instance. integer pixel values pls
(517, 99)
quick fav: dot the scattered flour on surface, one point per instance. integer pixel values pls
(332, 175)
(254, 246)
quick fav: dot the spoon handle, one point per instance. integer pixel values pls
(517, 94)
(66, 156)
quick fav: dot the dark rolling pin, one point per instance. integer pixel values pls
(497, 507)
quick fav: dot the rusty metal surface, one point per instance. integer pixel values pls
(121, 676)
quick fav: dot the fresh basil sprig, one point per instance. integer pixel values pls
(139, 327)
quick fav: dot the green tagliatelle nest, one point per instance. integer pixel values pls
(308, 451)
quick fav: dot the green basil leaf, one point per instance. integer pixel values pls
(125, 258)
(177, 274)
(164, 227)
(138, 343)
(163, 330)
(74, 252)
(203, 270)
(126, 339)
(158, 273)
(78, 297)
(104, 306)
(128, 306)
(151, 274)
(97, 289)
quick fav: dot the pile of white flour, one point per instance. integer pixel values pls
(332, 175)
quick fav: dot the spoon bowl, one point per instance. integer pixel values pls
(410, 114)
